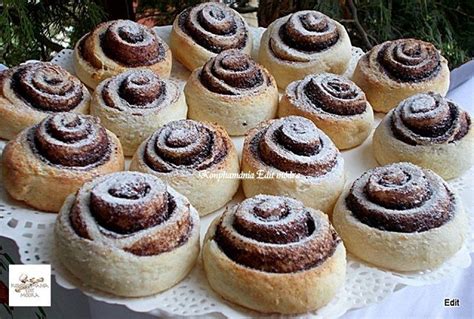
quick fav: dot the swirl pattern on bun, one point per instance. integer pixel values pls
(409, 60)
(232, 90)
(428, 130)
(31, 91)
(334, 104)
(134, 104)
(138, 221)
(271, 239)
(303, 43)
(303, 240)
(116, 46)
(428, 118)
(204, 30)
(395, 70)
(186, 154)
(299, 159)
(401, 217)
(233, 73)
(401, 198)
(66, 149)
(71, 140)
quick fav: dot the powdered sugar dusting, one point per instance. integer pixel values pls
(295, 144)
(185, 145)
(428, 118)
(298, 30)
(48, 87)
(401, 197)
(137, 92)
(214, 26)
(232, 72)
(278, 237)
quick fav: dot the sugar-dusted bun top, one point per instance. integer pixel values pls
(71, 140)
(275, 234)
(214, 26)
(137, 91)
(301, 36)
(132, 211)
(428, 118)
(293, 144)
(45, 87)
(186, 146)
(126, 42)
(401, 197)
(406, 60)
(233, 72)
(327, 93)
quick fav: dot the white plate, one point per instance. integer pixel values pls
(364, 285)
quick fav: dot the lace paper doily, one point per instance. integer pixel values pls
(365, 285)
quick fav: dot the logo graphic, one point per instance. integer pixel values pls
(30, 285)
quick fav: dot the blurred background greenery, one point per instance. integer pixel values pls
(33, 29)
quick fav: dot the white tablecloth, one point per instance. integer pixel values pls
(409, 302)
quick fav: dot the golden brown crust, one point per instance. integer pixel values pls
(303, 43)
(334, 104)
(31, 178)
(117, 46)
(134, 104)
(26, 97)
(193, 158)
(233, 91)
(385, 88)
(197, 36)
(279, 289)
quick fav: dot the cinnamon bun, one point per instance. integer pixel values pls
(272, 254)
(427, 130)
(134, 104)
(204, 30)
(401, 217)
(31, 91)
(303, 43)
(197, 159)
(394, 70)
(47, 162)
(292, 157)
(233, 91)
(335, 105)
(128, 234)
(116, 46)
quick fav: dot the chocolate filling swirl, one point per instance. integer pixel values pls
(185, 145)
(214, 27)
(306, 31)
(409, 60)
(71, 140)
(132, 211)
(402, 198)
(294, 144)
(232, 72)
(46, 86)
(275, 234)
(309, 31)
(137, 90)
(126, 42)
(328, 93)
(428, 118)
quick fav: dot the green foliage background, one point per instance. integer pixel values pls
(32, 29)
(449, 24)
